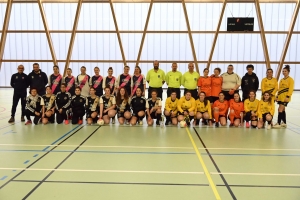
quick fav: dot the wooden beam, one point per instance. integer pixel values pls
(190, 35)
(4, 29)
(216, 34)
(49, 39)
(144, 33)
(288, 39)
(72, 39)
(262, 34)
(117, 30)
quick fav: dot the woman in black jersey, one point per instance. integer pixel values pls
(138, 106)
(49, 101)
(62, 105)
(153, 109)
(109, 81)
(107, 106)
(92, 107)
(55, 80)
(34, 107)
(123, 107)
(78, 106)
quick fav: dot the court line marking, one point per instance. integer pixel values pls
(105, 171)
(253, 174)
(211, 183)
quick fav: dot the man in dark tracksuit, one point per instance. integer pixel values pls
(38, 79)
(19, 81)
(249, 82)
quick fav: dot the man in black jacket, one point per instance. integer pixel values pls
(249, 82)
(38, 79)
(19, 81)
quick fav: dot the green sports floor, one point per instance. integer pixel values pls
(62, 162)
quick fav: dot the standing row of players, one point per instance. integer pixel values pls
(227, 83)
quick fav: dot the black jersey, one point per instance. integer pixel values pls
(107, 102)
(34, 103)
(49, 102)
(78, 102)
(123, 106)
(53, 80)
(70, 85)
(138, 81)
(124, 81)
(19, 82)
(92, 104)
(97, 84)
(138, 104)
(150, 103)
(62, 100)
(110, 82)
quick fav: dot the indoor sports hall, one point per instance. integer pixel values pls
(165, 162)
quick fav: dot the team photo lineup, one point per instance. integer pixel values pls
(212, 99)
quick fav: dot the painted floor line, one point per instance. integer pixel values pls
(253, 174)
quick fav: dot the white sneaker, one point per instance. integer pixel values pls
(140, 122)
(277, 126)
(113, 120)
(269, 126)
(127, 122)
(283, 125)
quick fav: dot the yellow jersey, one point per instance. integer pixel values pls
(200, 107)
(269, 85)
(265, 107)
(190, 80)
(184, 104)
(155, 78)
(171, 105)
(251, 105)
(173, 79)
(286, 88)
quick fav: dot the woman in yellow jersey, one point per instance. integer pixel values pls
(269, 84)
(251, 107)
(203, 109)
(283, 97)
(266, 109)
(171, 109)
(186, 108)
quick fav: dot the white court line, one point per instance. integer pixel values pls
(107, 171)
(147, 147)
(253, 174)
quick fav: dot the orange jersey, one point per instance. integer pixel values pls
(223, 107)
(238, 108)
(205, 85)
(216, 85)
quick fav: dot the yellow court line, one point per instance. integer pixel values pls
(211, 183)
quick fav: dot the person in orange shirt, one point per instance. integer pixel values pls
(220, 108)
(216, 85)
(204, 84)
(236, 111)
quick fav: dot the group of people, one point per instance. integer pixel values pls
(210, 98)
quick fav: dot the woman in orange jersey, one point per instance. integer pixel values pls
(204, 84)
(203, 109)
(236, 111)
(216, 85)
(220, 109)
(251, 108)
(186, 108)
(266, 109)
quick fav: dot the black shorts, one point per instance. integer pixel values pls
(89, 113)
(193, 92)
(121, 114)
(170, 90)
(210, 99)
(213, 99)
(264, 116)
(135, 113)
(282, 103)
(229, 96)
(153, 116)
(158, 90)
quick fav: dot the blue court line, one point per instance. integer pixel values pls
(35, 155)
(134, 152)
(61, 137)
(27, 161)
(4, 177)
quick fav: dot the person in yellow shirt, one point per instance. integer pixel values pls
(284, 95)
(251, 108)
(266, 109)
(203, 110)
(269, 84)
(171, 109)
(186, 108)
(190, 80)
(173, 80)
(155, 78)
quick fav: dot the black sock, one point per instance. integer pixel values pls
(158, 117)
(284, 117)
(191, 118)
(269, 122)
(197, 121)
(168, 118)
(141, 118)
(279, 117)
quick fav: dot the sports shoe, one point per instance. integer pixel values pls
(247, 124)
(11, 120)
(277, 126)
(80, 121)
(283, 125)
(22, 119)
(269, 126)
(66, 122)
(217, 124)
(157, 122)
(231, 125)
(167, 122)
(127, 122)
(113, 120)
(28, 122)
(205, 123)
(140, 122)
